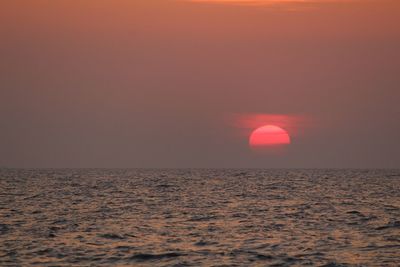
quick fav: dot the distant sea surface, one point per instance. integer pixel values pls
(226, 217)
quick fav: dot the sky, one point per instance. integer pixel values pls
(173, 84)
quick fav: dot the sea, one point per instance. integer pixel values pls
(199, 217)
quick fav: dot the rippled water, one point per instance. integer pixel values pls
(199, 217)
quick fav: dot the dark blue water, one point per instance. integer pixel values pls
(119, 217)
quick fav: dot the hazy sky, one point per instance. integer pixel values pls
(160, 83)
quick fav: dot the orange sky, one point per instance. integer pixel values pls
(149, 83)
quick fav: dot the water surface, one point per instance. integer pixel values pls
(118, 217)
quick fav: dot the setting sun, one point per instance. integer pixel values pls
(268, 135)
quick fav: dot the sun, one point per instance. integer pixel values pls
(268, 135)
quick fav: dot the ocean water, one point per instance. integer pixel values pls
(133, 217)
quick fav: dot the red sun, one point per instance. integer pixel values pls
(268, 135)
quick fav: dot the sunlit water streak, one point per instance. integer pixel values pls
(199, 217)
